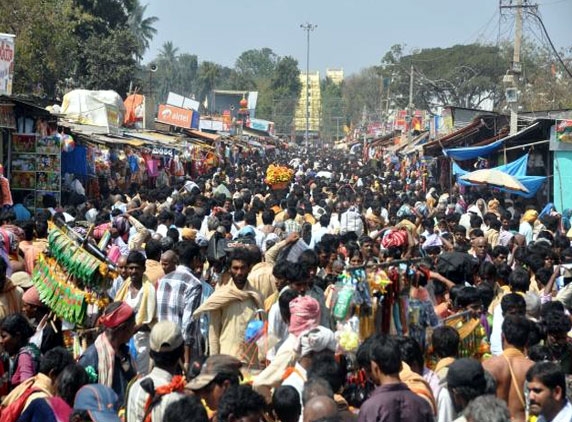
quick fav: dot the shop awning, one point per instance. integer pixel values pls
(204, 135)
(468, 153)
(409, 147)
(112, 140)
(151, 136)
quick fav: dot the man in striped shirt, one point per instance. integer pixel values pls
(179, 295)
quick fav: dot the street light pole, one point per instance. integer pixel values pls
(308, 27)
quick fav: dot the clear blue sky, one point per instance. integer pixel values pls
(351, 34)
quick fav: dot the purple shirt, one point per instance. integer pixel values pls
(395, 403)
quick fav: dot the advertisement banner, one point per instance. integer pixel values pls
(196, 120)
(226, 120)
(175, 116)
(113, 119)
(259, 124)
(7, 117)
(400, 122)
(6, 63)
(564, 131)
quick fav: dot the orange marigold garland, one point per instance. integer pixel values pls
(278, 174)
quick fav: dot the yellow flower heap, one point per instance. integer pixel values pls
(278, 174)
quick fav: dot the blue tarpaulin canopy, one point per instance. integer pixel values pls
(517, 169)
(468, 153)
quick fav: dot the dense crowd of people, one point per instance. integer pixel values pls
(359, 292)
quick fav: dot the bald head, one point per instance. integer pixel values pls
(169, 261)
(320, 407)
(520, 239)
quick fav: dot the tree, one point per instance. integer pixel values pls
(543, 84)
(167, 73)
(285, 86)
(462, 75)
(141, 27)
(105, 47)
(256, 64)
(207, 76)
(188, 65)
(286, 77)
(362, 89)
(333, 115)
(109, 62)
(43, 43)
(101, 17)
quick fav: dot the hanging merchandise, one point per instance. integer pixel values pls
(69, 277)
(36, 168)
(68, 143)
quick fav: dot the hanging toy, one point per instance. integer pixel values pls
(68, 143)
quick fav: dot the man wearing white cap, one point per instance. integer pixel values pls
(166, 344)
(314, 341)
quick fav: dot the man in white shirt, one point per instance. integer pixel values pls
(547, 393)
(166, 342)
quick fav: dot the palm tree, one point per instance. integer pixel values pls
(168, 73)
(141, 27)
(207, 76)
(168, 52)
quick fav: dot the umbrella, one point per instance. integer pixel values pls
(495, 178)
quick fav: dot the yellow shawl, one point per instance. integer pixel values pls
(146, 287)
(227, 294)
(42, 383)
(271, 300)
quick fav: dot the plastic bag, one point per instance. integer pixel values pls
(344, 301)
(347, 335)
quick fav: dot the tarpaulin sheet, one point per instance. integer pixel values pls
(517, 169)
(469, 153)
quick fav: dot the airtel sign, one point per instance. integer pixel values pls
(176, 116)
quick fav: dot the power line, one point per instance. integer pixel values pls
(550, 41)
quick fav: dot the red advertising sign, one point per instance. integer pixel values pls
(175, 116)
(400, 120)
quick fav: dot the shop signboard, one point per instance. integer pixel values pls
(175, 116)
(163, 151)
(196, 120)
(216, 125)
(177, 100)
(6, 63)
(259, 124)
(400, 122)
(7, 118)
(113, 119)
(564, 131)
(226, 120)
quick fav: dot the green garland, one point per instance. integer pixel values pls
(64, 299)
(76, 260)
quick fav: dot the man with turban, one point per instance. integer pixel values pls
(107, 361)
(303, 315)
(312, 344)
(527, 224)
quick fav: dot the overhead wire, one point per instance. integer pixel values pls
(539, 19)
(478, 32)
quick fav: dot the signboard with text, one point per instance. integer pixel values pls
(113, 119)
(175, 116)
(6, 63)
(260, 124)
